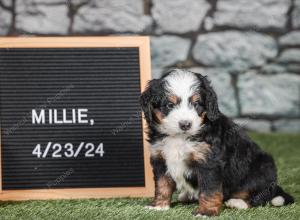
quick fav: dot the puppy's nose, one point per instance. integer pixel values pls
(185, 125)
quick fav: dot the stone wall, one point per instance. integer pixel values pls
(249, 49)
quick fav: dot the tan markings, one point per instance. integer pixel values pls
(210, 205)
(203, 117)
(200, 153)
(195, 98)
(173, 98)
(158, 115)
(240, 195)
(164, 188)
(157, 153)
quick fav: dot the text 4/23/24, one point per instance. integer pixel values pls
(68, 150)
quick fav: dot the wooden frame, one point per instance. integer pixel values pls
(143, 44)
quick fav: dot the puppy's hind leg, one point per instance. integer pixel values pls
(261, 180)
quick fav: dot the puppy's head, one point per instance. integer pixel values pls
(179, 103)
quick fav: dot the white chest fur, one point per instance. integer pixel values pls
(175, 150)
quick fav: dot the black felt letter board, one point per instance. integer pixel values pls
(63, 99)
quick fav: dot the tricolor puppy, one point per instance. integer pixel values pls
(202, 153)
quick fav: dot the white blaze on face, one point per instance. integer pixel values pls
(183, 84)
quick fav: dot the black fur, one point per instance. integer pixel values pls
(152, 98)
(235, 163)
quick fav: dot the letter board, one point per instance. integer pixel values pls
(71, 125)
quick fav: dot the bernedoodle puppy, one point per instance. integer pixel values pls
(200, 152)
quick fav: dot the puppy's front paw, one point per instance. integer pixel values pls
(205, 213)
(158, 208)
(197, 214)
(200, 216)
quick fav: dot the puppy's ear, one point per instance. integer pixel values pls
(210, 100)
(150, 98)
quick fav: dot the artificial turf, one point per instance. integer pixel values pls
(284, 147)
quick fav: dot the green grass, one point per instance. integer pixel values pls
(285, 149)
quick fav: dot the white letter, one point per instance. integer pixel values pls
(56, 121)
(81, 115)
(74, 115)
(65, 117)
(50, 116)
(38, 119)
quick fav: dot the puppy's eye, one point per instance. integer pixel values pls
(197, 105)
(170, 105)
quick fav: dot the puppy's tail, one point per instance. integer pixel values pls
(281, 198)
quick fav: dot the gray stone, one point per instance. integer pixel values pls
(287, 126)
(42, 17)
(157, 73)
(112, 16)
(254, 125)
(293, 67)
(290, 55)
(274, 68)
(221, 82)
(296, 14)
(234, 50)
(167, 50)
(79, 2)
(208, 23)
(290, 39)
(281, 68)
(179, 16)
(269, 94)
(258, 14)
(5, 21)
(6, 3)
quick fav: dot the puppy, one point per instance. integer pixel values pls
(202, 153)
